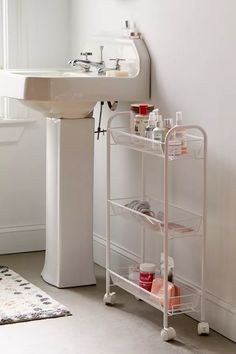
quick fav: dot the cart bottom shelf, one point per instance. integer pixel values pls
(188, 301)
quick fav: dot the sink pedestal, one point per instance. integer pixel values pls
(69, 203)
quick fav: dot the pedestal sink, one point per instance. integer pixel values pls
(66, 97)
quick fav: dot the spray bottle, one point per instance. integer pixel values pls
(181, 133)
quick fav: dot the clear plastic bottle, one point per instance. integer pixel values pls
(174, 146)
(168, 124)
(181, 133)
(151, 125)
(159, 132)
(156, 111)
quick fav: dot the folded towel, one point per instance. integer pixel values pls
(140, 206)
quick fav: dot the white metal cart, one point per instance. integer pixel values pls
(183, 223)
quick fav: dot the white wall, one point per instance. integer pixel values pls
(39, 33)
(38, 37)
(192, 47)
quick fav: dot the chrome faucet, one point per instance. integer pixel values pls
(86, 63)
(77, 62)
(102, 71)
(100, 65)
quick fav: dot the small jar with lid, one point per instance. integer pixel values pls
(141, 120)
(146, 275)
(134, 110)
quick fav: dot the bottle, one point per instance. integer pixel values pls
(156, 111)
(181, 133)
(158, 132)
(133, 31)
(125, 29)
(141, 120)
(151, 125)
(174, 146)
(168, 124)
(130, 30)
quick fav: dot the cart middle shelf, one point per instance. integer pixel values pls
(181, 222)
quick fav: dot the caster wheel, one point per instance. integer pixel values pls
(109, 299)
(203, 328)
(168, 334)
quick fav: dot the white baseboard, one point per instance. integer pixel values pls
(220, 314)
(16, 239)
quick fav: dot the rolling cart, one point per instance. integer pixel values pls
(171, 223)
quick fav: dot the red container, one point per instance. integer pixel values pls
(146, 275)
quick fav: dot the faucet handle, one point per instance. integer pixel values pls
(86, 54)
(117, 60)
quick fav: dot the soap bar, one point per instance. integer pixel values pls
(173, 293)
(117, 73)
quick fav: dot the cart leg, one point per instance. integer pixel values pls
(167, 333)
(203, 326)
(109, 299)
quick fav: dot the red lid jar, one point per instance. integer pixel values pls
(146, 275)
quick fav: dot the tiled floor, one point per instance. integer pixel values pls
(130, 327)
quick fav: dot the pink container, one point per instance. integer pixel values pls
(146, 275)
(173, 293)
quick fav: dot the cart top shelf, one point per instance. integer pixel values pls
(121, 136)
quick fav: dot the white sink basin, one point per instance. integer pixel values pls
(55, 93)
(73, 93)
